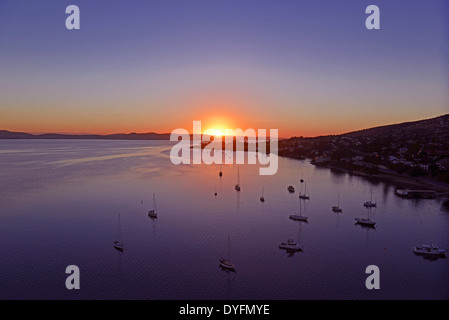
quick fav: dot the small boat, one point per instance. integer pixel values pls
(237, 186)
(221, 173)
(291, 189)
(153, 213)
(299, 217)
(302, 178)
(337, 207)
(291, 245)
(370, 203)
(226, 263)
(119, 244)
(429, 250)
(304, 195)
(365, 222)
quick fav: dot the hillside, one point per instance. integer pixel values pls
(436, 125)
(414, 149)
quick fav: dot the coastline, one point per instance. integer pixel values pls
(401, 182)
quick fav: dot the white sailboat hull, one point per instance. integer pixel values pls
(429, 250)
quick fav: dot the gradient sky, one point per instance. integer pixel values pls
(303, 67)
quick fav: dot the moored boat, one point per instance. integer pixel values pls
(365, 222)
(429, 250)
(292, 245)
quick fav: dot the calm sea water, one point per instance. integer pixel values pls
(59, 206)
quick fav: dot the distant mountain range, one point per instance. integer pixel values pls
(434, 126)
(4, 134)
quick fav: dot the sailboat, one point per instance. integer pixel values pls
(226, 263)
(221, 173)
(302, 177)
(370, 203)
(304, 195)
(299, 217)
(119, 244)
(337, 207)
(291, 245)
(153, 213)
(262, 199)
(237, 186)
(367, 222)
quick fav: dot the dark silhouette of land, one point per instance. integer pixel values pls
(407, 152)
(4, 134)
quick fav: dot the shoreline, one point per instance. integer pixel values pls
(401, 182)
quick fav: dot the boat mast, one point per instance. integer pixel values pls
(238, 175)
(119, 229)
(229, 248)
(154, 203)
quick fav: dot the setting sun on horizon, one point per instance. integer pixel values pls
(215, 132)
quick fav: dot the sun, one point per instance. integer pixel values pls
(214, 132)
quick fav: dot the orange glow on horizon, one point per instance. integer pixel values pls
(227, 119)
(219, 131)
